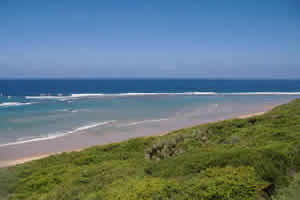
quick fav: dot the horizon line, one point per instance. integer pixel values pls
(143, 78)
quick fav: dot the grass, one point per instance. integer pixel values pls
(249, 159)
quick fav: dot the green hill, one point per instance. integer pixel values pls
(238, 159)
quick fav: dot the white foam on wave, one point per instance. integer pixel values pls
(87, 95)
(63, 110)
(44, 97)
(9, 104)
(263, 93)
(70, 110)
(163, 93)
(116, 95)
(57, 98)
(29, 139)
(95, 95)
(94, 125)
(35, 139)
(144, 121)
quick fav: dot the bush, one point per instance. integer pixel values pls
(164, 148)
(292, 192)
(225, 184)
(146, 188)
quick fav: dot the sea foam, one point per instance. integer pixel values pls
(30, 139)
(143, 122)
(94, 125)
(10, 104)
(196, 93)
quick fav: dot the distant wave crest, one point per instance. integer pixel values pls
(10, 104)
(45, 97)
(96, 95)
(143, 122)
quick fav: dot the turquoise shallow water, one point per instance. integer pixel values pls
(26, 119)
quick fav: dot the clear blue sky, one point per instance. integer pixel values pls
(144, 38)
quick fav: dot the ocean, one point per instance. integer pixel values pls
(44, 109)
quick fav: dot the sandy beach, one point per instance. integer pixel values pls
(43, 149)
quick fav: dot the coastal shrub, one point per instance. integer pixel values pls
(212, 184)
(164, 148)
(291, 192)
(225, 184)
(145, 188)
(8, 178)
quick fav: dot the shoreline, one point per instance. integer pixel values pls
(251, 115)
(11, 163)
(14, 162)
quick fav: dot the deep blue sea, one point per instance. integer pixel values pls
(116, 86)
(33, 110)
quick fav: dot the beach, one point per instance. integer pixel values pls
(22, 153)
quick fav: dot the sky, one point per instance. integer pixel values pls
(150, 38)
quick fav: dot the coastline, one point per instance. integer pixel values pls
(251, 115)
(11, 163)
(14, 162)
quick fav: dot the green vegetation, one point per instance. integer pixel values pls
(292, 192)
(238, 159)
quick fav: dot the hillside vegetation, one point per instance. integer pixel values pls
(240, 159)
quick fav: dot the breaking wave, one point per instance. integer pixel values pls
(95, 95)
(30, 139)
(11, 104)
(143, 122)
